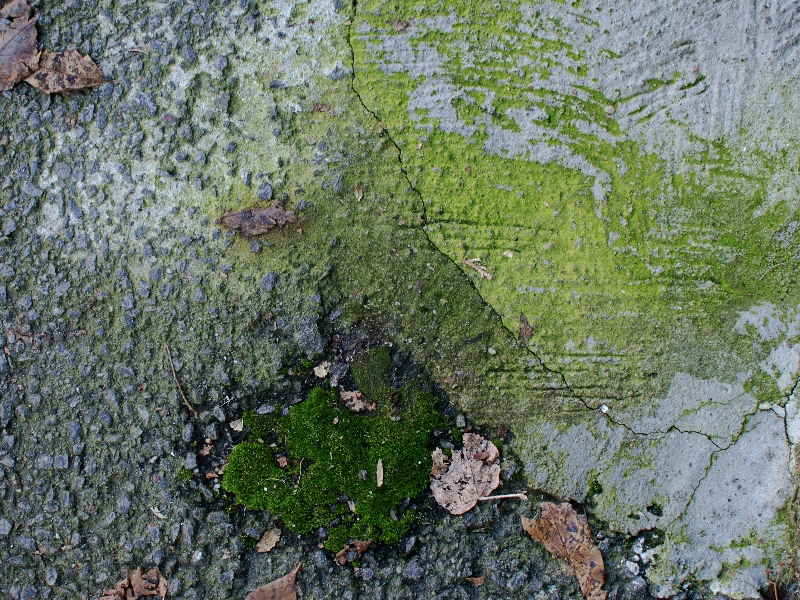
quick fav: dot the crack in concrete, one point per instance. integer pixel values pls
(385, 131)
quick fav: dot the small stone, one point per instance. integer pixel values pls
(220, 62)
(413, 571)
(199, 295)
(630, 569)
(51, 576)
(62, 461)
(5, 526)
(366, 573)
(191, 461)
(185, 131)
(254, 246)
(31, 190)
(492, 351)
(638, 586)
(219, 413)
(265, 191)
(197, 557)
(268, 281)
(123, 504)
(460, 421)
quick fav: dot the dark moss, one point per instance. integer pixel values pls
(333, 456)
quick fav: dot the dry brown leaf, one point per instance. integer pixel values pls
(565, 533)
(355, 401)
(399, 25)
(359, 193)
(477, 581)
(156, 512)
(357, 547)
(284, 588)
(473, 474)
(320, 107)
(380, 472)
(268, 540)
(15, 9)
(282, 462)
(65, 72)
(255, 221)
(206, 450)
(322, 369)
(473, 262)
(138, 584)
(237, 425)
(18, 55)
(525, 328)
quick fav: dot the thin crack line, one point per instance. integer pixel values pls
(385, 131)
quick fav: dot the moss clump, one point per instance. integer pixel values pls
(332, 459)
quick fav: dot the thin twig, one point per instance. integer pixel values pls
(503, 496)
(178, 385)
(780, 264)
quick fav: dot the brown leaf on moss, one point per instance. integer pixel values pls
(565, 533)
(477, 581)
(525, 329)
(379, 472)
(473, 262)
(18, 55)
(255, 221)
(399, 25)
(284, 588)
(268, 540)
(352, 551)
(473, 473)
(138, 584)
(320, 107)
(65, 72)
(355, 401)
(359, 193)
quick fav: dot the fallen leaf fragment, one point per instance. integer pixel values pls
(255, 221)
(380, 472)
(237, 425)
(399, 25)
(137, 585)
(206, 450)
(359, 193)
(268, 540)
(473, 262)
(565, 533)
(284, 588)
(322, 369)
(355, 401)
(282, 462)
(525, 328)
(157, 513)
(320, 107)
(18, 55)
(15, 9)
(508, 254)
(477, 581)
(473, 473)
(356, 547)
(65, 72)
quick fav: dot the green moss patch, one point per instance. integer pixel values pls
(332, 459)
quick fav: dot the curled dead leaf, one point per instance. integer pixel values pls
(525, 328)
(380, 472)
(256, 221)
(138, 584)
(268, 540)
(566, 534)
(359, 193)
(284, 588)
(473, 262)
(65, 72)
(320, 107)
(282, 462)
(477, 581)
(18, 55)
(157, 513)
(352, 551)
(237, 425)
(399, 25)
(355, 401)
(473, 473)
(322, 369)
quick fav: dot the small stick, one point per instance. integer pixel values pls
(178, 385)
(780, 264)
(503, 496)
